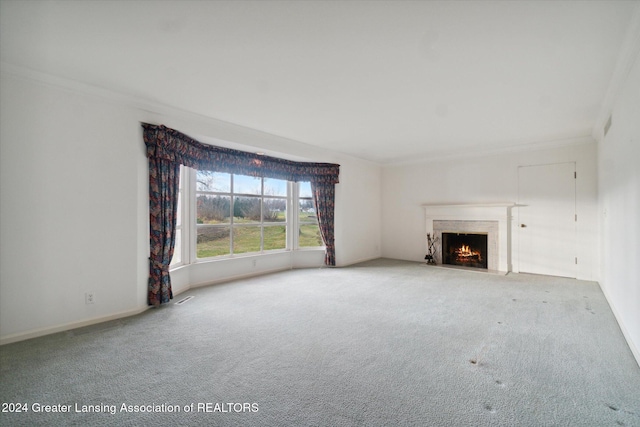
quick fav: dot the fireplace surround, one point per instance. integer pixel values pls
(492, 220)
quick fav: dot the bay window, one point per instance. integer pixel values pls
(233, 203)
(233, 214)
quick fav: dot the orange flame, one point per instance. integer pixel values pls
(465, 252)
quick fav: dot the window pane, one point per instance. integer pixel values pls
(305, 189)
(246, 210)
(246, 239)
(243, 184)
(309, 236)
(213, 209)
(275, 210)
(275, 237)
(177, 251)
(306, 212)
(213, 181)
(212, 241)
(275, 187)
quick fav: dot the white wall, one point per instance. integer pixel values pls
(358, 215)
(69, 207)
(619, 209)
(74, 207)
(481, 179)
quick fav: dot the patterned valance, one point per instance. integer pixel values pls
(169, 144)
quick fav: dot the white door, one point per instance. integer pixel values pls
(547, 219)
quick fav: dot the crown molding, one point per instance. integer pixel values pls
(122, 99)
(241, 137)
(628, 55)
(73, 86)
(476, 152)
(227, 134)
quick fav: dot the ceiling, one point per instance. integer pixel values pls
(384, 81)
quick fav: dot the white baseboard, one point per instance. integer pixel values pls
(634, 350)
(232, 278)
(35, 333)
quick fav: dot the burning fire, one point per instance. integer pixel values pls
(464, 253)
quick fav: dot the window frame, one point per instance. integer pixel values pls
(189, 227)
(232, 225)
(182, 224)
(299, 223)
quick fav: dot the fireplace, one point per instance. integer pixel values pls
(492, 220)
(465, 249)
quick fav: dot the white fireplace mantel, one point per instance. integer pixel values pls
(497, 210)
(500, 212)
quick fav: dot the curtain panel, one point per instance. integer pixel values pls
(164, 182)
(167, 149)
(324, 200)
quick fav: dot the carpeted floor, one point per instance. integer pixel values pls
(382, 343)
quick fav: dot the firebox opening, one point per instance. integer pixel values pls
(465, 249)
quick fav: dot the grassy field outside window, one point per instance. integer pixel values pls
(238, 214)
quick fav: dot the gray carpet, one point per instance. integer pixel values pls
(382, 343)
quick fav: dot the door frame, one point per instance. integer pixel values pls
(517, 231)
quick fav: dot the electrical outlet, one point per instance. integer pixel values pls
(89, 298)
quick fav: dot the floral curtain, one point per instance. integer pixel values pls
(177, 147)
(164, 181)
(324, 200)
(167, 149)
